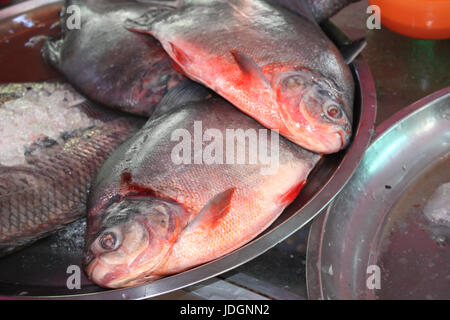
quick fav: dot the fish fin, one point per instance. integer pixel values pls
(249, 68)
(51, 51)
(184, 92)
(213, 211)
(178, 68)
(291, 194)
(351, 50)
(143, 24)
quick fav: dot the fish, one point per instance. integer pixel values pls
(320, 10)
(107, 63)
(52, 142)
(151, 215)
(271, 63)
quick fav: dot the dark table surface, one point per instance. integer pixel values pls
(404, 70)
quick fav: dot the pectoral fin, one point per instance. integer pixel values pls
(212, 213)
(250, 69)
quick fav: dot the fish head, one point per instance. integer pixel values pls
(135, 237)
(314, 111)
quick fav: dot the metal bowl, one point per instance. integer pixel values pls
(40, 271)
(376, 227)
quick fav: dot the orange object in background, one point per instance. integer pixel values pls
(424, 19)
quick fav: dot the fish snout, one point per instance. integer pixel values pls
(345, 134)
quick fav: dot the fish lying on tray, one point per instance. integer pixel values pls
(52, 141)
(151, 214)
(275, 65)
(148, 216)
(108, 63)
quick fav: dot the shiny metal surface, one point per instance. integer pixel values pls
(40, 271)
(377, 219)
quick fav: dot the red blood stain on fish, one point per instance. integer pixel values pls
(127, 187)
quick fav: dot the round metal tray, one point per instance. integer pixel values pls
(40, 271)
(378, 220)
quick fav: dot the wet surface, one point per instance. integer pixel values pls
(412, 249)
(23, 40)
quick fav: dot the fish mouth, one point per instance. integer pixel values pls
(118, 275)
(331, 142)
(345, 135)
(311, 134)
(133, 271)
(108, 276)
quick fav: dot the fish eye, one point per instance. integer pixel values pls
(109, 240)
(333, 111)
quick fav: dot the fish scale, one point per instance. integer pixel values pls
(50, 189)
(52, 196)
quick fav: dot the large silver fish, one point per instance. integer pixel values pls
(190, 187)
(275, 65)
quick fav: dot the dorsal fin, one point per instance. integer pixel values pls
(184, 92)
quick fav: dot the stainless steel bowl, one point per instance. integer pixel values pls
(40, 271)
(378, 220)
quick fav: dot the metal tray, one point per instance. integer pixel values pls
(378, 218)
(40, 271)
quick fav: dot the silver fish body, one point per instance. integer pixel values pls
(152, 214)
